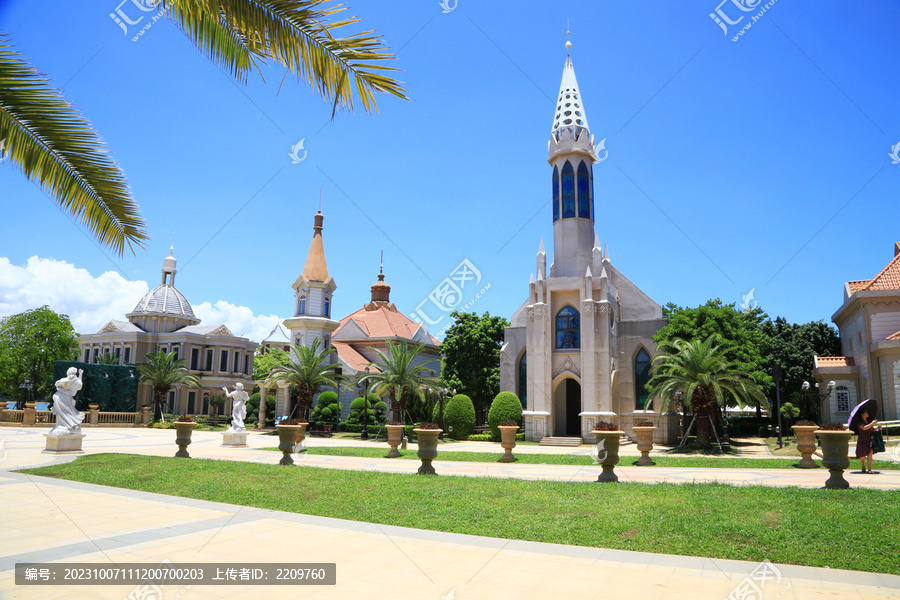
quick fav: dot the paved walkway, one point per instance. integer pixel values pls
(60, 521)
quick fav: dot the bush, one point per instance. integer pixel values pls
(459, 414)
(326, 407)
(253, 408)
(505, 407)
(377, 409)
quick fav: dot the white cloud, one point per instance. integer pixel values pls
(239, 319)
(89, 301)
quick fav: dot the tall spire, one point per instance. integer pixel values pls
(316, 269)
(569, 108)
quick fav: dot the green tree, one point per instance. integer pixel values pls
(107, 358)
(700, 370)
(397, 375)
(54, 146)
(741, 332)
(459, 417)
(309, 373)
(326, 406)
(471, 357)
(30, 342)
(163, 371)
(266, 362)
(793, 346)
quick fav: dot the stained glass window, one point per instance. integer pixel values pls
(568, 191)
(584, 192)
(568, 328)
(641, 377)
(555, 194)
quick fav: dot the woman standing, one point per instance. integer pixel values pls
(863, 427)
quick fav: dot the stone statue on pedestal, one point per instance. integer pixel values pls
(68, 419)
(238, 408)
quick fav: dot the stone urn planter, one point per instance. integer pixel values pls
(287, 440)
(835, 447)
(806, 445)
(301, 435)
(395, 435)
(608, 453)
(427, 442)
(644, 435)
(183, 431)
(508, 442)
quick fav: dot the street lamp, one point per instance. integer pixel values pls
(26, 388)
(364, 385)
(819, 397)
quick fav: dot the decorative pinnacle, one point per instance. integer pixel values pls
(568, 42)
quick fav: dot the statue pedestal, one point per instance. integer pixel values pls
(235, 439)
(64, 444)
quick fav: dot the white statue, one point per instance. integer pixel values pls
(68, 419)
(238, 407)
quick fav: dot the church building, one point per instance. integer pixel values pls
(578, 350)
(354, 336)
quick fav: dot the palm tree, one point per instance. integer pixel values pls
(108, 358)
(396, 375)
(54, 146)
(698, 369)
(163, 371)
(309, 372)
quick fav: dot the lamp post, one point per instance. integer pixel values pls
(364, 384)
(777, 375)
(26, 388)
(819, 397)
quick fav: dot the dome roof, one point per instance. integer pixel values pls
(165, 299)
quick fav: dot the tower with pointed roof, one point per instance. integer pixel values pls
(313, 291)
(578, 349)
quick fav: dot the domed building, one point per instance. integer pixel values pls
(163, 321)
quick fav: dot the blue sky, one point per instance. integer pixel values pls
(759, 164)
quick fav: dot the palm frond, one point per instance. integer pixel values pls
(297, 34)
(54, 146)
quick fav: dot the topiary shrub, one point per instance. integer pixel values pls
(505, 407)
(459, 414)
(326, 406)
(376, 412)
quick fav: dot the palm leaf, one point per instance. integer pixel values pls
(297, 34)
(57, 148)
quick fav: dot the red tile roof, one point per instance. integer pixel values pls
(350, 356)
(894, 336)
(834, 361)
(383, 322)
(887, 279)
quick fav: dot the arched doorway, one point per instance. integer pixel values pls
(567, 407)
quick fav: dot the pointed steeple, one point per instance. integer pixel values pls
(316, 269)
(569, 107)
(541, 262)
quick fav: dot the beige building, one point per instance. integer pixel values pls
(163, 321)
(578, 350)
(354, 336)
(869, 323)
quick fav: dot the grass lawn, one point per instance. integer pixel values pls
(847, 529)
(725, 462)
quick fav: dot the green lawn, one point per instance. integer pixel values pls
(725, 462)
(847, 529)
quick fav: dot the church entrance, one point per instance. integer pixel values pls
(567, 423)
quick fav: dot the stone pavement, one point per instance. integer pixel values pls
(50, 520)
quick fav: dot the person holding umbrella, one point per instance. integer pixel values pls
(860, 424)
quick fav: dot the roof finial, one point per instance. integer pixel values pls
(320, 199)
(568, 33)
(381, 266)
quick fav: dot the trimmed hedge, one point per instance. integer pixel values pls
(459, 414)
(505, 407)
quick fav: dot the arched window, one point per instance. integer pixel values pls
(523, 381)
(568, 330)
(555, 194)
(584, 192)
(327, 314)
(641, 377)
(301, 306)
(842, 399)
(568, 191)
